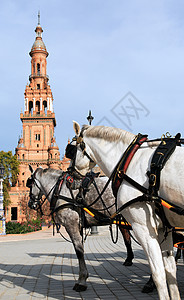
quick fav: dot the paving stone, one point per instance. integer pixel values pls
(44, 267)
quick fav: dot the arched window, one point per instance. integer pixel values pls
(38, 107)
(34, 68)
(38, 69)
(31, 107)
(45, 106)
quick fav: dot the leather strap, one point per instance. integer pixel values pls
(125, 161)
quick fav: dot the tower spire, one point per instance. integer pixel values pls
(38, 17)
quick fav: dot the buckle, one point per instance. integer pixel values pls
(120, 174)
(152, 179)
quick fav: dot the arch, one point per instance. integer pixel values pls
(31, 107)
(37, 107)
(45, 106)
(38, 68)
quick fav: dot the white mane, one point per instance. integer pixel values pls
(110, 134)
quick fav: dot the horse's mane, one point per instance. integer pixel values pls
(110, 134)
(54, 172)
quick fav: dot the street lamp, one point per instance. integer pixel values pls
(2, 218)
(90, 118)
(94, 229)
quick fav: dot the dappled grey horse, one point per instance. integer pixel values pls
(43, 182)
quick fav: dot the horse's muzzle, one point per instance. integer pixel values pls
(32, 204)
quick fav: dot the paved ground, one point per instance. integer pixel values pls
(40, 266)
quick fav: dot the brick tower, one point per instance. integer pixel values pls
(37, 145)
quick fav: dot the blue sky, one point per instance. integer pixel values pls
(124, 60)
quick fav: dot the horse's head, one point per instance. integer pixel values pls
(79, 152)
(35, 193)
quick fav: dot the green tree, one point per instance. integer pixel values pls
(11, 166)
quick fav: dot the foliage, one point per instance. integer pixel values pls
(24, 227)
(11, 166)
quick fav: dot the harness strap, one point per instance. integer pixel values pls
(125, 161)
(57, 191)
(127, 204)
(114, 172)
(146, 197)
(159, 159)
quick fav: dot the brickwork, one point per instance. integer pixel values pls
(37, 145)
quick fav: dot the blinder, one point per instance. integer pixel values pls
(34, 201)
(71, 151)
(29, 182)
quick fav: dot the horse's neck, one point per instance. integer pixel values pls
(48, 182)
(106, 154)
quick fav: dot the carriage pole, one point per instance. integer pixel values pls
(94, 229)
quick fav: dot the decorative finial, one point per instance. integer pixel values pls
(90, 118)
(38, 17)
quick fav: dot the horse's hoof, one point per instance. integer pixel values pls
(128, 263)
(79, 287)
(149, 287)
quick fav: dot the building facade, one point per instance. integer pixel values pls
(37, 145)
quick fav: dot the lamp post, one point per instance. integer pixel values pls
(2, 218)
(94, 229)
(90, 118)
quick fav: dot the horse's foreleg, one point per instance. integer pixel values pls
(71, 224)
(148, 239)
(127, 241)
(169, 262)
(83, 273)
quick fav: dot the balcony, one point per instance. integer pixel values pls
(38, 75)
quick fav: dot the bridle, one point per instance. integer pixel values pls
(35, 201)
(71, 150)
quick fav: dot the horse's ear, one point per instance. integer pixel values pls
(76, 128)
(31, 169)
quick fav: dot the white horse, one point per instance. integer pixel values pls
(105, 146)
